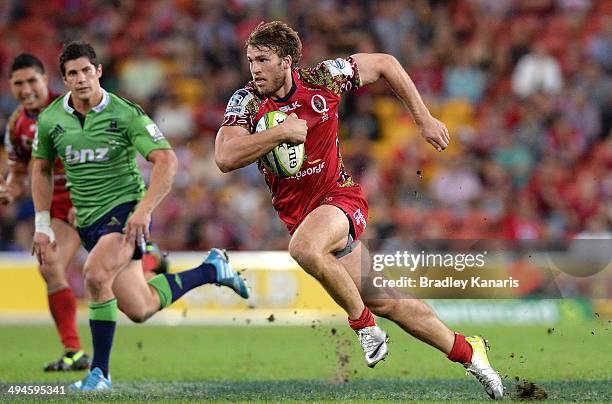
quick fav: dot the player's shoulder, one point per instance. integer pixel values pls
(125, 106)
(245, 98)
(55, 106)
(329, 73)
(245, 94)
(12, 120)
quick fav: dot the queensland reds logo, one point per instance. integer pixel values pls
(319, 104)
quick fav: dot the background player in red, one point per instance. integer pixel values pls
(323, 208)
(28, 83)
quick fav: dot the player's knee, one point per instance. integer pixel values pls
(306, 257)
(97, 279)
(139, 317)
(301, 252)
(51, 273)
(383, 307)
(136, 315)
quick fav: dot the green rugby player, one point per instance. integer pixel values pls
(96, 135)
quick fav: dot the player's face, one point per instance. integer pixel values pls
(29, 87)
(82, 78)
(269, 71)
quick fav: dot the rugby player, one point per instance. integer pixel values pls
(324, 209)
(29, 86)
(96, 134)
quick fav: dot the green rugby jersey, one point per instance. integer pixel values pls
(100, 156)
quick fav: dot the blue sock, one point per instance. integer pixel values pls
(102, 322)
(171, 287)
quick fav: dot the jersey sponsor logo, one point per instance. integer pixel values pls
(339, 67)
(306, 172)
(290, 107)
(155, 133)
(314, 162)
(85, 155)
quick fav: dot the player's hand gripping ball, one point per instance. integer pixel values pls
(286, 159)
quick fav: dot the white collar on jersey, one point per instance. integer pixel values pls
(103, 103)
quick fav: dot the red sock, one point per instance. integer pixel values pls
(62, 305)
(365, 320)
(462, 350)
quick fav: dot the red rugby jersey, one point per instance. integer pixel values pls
(314, 97)
(20, 132)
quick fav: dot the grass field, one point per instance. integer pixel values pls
(277, 363)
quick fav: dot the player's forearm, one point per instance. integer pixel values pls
(162, 178)
(404, 87)
(240, 151)
(42, 185)
(16, 180)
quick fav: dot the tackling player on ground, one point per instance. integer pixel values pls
(96, 135)
(29, 86)
(323, 208)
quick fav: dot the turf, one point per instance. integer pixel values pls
(320, 363)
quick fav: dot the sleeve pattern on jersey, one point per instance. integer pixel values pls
(339, 75)
(242, 109)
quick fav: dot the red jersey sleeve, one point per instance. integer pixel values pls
(338, 75)
(13, 142)
(242, 109)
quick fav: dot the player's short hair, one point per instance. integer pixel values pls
(25, 60)
(75, 50)
(279, 37)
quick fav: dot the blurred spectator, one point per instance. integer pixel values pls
(537, 71)
(600, 45)
(464, 79)
(456, 185)
(174, 119)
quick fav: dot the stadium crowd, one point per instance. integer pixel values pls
(524, 86)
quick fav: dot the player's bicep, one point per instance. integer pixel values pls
(224, 137)
(166, 158)
(371, 66)
(41, 166)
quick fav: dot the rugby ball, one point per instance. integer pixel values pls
(286, 159)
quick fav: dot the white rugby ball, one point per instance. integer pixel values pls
(286, 159)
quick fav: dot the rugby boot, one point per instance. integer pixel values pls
(94, 381)
(226, 275)
(373, 341)
(481, 369)
(70, 360)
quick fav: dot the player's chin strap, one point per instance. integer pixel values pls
(42, 224)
